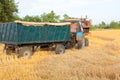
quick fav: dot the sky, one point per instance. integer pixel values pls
(96, 10)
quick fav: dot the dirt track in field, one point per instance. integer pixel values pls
(99, 61)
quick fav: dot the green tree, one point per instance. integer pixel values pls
(66, 16)
(114, 25)
(8, 8)
(50, 17)
(32, 18)
(102, 25)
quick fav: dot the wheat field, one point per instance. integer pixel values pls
(99, 61)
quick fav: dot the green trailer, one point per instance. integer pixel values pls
(24, 37)
(19, 34)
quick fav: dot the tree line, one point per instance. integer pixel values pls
(45, 17)
(103, 25)
(9, 10)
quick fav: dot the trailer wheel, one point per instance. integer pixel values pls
(25, 52)
(86, 42)
(60, 49)
(8, 51)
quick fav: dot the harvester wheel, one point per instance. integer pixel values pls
(60, 49)
(25, 52)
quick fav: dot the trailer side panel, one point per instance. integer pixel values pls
(8, 33)
(42, 34)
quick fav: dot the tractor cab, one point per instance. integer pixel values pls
(79, 28)
(80, 25)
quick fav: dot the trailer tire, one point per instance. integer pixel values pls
(8, 51)
(25, 52)
(60, 49)
(86, 42)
